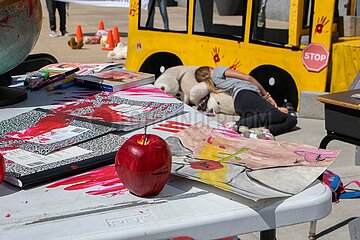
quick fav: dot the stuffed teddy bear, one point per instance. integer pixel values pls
(76, 44)
(180, 82)
(169, 81)
(221, 103)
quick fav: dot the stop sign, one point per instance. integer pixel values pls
(315, 57)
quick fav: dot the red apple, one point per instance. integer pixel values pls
(143, 164)
(2, 168)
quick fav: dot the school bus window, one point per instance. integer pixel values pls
(214, 18)
(270, 25)
(307, 14)
(305, 37)
(159, 15)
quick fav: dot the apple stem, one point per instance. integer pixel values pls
(145, 127)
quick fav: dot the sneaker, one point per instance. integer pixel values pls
(290, 108)
(65, 33)
(53, 34)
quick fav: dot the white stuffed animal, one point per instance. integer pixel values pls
(221, 103)
(119, 52)
(180, 82)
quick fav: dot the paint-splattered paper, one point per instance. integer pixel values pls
(42, 132)
(252, 168)
(121, 113)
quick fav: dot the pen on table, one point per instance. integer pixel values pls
(65, 82)
(56, 78)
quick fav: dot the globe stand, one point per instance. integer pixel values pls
(9, 95)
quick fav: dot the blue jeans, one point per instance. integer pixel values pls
(163, 11)
(61, 7)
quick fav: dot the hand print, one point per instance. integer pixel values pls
(216, 54)
(235, 65)
(133, 9)
(321, 22)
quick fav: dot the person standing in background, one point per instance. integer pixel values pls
(52, 5)
(163, 11)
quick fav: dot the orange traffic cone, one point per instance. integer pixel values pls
(116, 35)
(109, 41)
(79, 33)
(101, 26)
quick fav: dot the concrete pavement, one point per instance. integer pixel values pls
(310, 131)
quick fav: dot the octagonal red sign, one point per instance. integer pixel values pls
(315, 57)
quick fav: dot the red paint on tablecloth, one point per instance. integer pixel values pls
(171, 126)
(146, 91)
(105, 178)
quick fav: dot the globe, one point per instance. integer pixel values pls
(20, 25)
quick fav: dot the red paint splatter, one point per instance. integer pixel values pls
(182, 238)
(172, 126)
(8, 162)
(74, 167)
(9, 146)
(210, 140)
(321, 22)
(107, 114)
(146, 91)
(105, 177)
(7, 215)
(44, 125)
(166, 130)
(103, 112)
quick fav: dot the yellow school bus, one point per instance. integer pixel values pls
(287, 45)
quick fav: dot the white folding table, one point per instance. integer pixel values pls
(70, 209)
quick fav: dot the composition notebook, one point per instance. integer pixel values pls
(24, 168)
(120, 113)
(41, 131)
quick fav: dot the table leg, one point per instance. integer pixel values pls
(312, 231)
(325, 141)
(268, 234)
